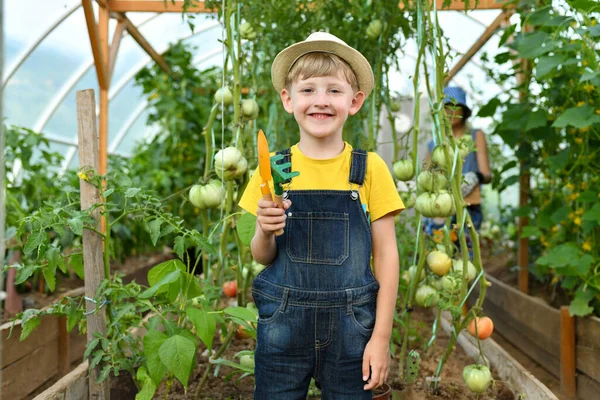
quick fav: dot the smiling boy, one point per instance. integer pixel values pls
(323, 312)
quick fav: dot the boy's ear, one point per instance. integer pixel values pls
(286, 99)
(357, 102)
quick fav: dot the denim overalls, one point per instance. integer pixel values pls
(316, 302)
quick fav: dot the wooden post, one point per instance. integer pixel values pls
(568, 385)
(483, 39)
(64, 347)
(103, 17)
(87, 135)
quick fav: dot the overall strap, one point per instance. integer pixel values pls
(287, 156)
(358, 167)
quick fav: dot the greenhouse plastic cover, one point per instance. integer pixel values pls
(48, 58)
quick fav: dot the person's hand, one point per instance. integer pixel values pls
(269, 218)
(470, 182)
(376, 363)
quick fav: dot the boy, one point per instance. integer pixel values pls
(323, 314)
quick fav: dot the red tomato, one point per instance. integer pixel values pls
(230, 288)
(485, 327)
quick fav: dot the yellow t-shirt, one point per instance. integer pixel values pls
(378, 193)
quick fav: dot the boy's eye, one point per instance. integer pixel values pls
(336, 91)
(306, 90)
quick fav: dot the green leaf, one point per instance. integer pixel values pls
(537, 119)
(529, 231)
(132, 192)
(508, 32)
(579, 117)
(203, 242)
(34, 241)
(560, 215)
(580, 307)
(242, 313)
(559, 161)
(169, 278)
(72, 316)
(49, 272)
(152, 342)
(205, 325)
(161, 270)
(90, 347)
(546, 64)
(28, 326)
(154, 228)
(25, 272)
(108, 192)
(489, 109)
(588, 75)
(560, 256)
(589, 196)
(76, 225)
(76, 262)
(177, 354)
(148, 390)
(583, 264)
(180, 246)
(593, 214)
(246, 227)
(533, 45)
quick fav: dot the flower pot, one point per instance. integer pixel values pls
(383, 393)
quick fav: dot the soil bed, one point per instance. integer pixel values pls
(451, 387)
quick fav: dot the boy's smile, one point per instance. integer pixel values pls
(321, 105)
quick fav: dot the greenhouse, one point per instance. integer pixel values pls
(239, 199)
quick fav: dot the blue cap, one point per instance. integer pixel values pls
(455, 95)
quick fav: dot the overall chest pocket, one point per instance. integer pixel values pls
(318, 237)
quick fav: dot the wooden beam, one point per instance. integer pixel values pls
(568, 385)
(156, 6)
(87, 135)
(483, 39)
(99, 63)
(459, 5)
(138, 37)
(200, 7)
(103, 116)
(114, 48)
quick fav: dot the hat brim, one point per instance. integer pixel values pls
(287, 57)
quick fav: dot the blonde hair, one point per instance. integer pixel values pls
(318, 64)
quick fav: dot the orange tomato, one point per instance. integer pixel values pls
(230, 288)
(485, 327)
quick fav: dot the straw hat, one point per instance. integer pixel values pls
(327, 43)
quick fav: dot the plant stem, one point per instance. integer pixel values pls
(218, 354)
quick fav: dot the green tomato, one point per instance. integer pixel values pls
(403, 170)
(457, 266)
(247, 360)
(477, 377)
(428, 181)
(408, 199)
(450, 283)
(374, 29)
(438, 157)
(426, 296)
(223, 96)
(250, 109)
(412, 272)
(442, 204)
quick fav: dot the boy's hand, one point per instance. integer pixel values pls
(269, 218)
(376, 362)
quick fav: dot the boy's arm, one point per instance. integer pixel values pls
(386, 262)
(269, 219)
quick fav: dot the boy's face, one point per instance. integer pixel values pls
(321, 105)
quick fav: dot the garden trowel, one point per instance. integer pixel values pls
(270, 170)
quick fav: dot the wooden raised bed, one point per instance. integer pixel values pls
(534, 327)
(522, 382)
(50, 351)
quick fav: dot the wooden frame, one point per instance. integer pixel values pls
(160, 6)
(566, 347)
